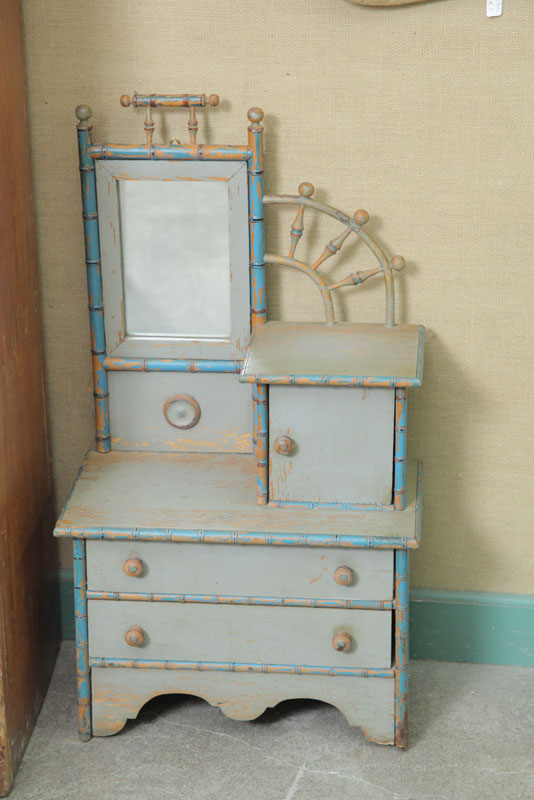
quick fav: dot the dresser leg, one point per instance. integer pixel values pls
(401, 648)
(82, 651)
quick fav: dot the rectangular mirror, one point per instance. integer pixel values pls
(175, 258)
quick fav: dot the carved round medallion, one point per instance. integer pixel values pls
(181, 411)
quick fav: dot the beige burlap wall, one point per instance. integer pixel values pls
(420, 114)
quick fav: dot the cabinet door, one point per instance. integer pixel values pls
(341, 444)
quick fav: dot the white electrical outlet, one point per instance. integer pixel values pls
(493, 8)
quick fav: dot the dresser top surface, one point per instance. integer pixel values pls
(363, 352)
(210, 492)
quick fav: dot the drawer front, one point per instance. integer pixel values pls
(342, 444)
(240, 570)
(177, 632)
(180, 412)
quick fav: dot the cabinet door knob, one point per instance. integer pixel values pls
(342, 642)
(343, 576)
(133, 567)
(134, 636)
(284, 445)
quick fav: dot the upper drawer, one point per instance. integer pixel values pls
(188, 412)
(241, 570)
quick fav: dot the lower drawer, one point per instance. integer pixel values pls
(177, 632)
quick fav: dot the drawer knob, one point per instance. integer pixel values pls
(181, 411)
(343, 576)
(133, 567)
(284, 445)
(134, 636)
(342, 641)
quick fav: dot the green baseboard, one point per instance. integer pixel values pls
(476, 627)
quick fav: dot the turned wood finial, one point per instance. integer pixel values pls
(213, 99)
(83, 112)
(125, 100)
(255, 115)
(398, 263)
(306, 189)
(361, 216)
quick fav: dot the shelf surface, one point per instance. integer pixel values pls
(201, 493)
(303, 352)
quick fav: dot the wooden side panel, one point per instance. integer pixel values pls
(27, 576)
(239, 570)
(138, 399)
(262, 634)
(342, 444)
(119, 694)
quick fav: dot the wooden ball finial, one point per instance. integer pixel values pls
(255, 115)
(361, 216)
(398, 263)
(213, 99)
(306, 189)
(83, 112)
(125, 100)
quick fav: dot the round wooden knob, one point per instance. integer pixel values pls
(134, 636)
(284, 445)
(342, 642)
(255, 115)
(343, 576)
(125, 100)
(398, 263)
(306, 189)
(133, 567)
(83, 112)
(361, 216)
(213, 99)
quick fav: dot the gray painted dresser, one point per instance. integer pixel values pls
(241, 531)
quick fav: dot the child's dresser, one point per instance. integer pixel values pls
(241, 531)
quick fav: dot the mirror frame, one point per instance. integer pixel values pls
(118, 341)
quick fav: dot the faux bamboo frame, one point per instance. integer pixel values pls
(235, 666)
(253, 155)
(82, 641)
(243, 600)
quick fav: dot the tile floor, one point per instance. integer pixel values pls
(471, 731)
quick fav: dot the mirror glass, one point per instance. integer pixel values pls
(175, 241)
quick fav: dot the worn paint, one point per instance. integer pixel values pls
(94, 284)
(318, 281)
(353, 225)
(331, 380)
(332, 506)
(399, 466)
(256, 221)
(171, 365)
(262, 444)
(82, 641)
(243, 600)
(401, 648)
(227, 666)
